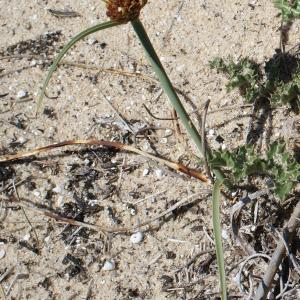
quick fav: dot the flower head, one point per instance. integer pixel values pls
(124, 10)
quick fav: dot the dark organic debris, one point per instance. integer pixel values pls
(64, 13)
(43, 45)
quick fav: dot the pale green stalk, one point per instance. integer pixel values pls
(66, 48)
(218, 238)
(166, 83)
(170, 91)
(187, 122)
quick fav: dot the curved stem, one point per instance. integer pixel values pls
(218, 238)
(166, 83)
(66, 48)
(170, 91)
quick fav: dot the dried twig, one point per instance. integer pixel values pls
(64, 220)
(115, 145)
(204, 141)
(288, 232)
(241, 287)
(25, 214)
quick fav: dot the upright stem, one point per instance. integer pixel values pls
(170, 91)
(166, 83)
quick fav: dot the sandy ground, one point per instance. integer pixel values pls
(47, 260)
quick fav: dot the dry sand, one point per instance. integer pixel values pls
(48, 260)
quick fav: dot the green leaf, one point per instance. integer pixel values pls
(66, 48)
(218, 238)
(282, 190)
(243, 75)
(289, 9)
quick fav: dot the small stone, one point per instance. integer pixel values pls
(133, 211)
(233, 194)
(2, 253)
(36, 193)
(159, 173)
(137, 237)
(58, 189)
(145, 172)
(152, 200)
(26, 237)
(22, 140)
(225, 234)
(21, 94)
(92, 41)
(71, 98)
(109, 265)
(168, 132)
(47, 239)
(211, 132)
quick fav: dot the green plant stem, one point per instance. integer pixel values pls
(166, 83)
(170, 91)
(65, 49)
(218, 238)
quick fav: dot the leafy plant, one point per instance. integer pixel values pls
(277, 164)
(273, 82)
(121, 12)
(290, 9)
(218, 237)
(243, 75)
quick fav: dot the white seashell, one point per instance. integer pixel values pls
(2, 253)
(159, 173)
(137, 237)
(145, 172)
(225, 234)
(26, 237)
(109, 265)
(21, 94)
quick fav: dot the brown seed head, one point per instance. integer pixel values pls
(124, 10)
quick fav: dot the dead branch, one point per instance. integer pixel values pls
(288, 233)
(116, 145)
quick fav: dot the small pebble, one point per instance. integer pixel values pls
(233, 194)
(211, 132)
(71, 98)
(2, 253)
(58, 189)
(145, 172)
(47, 239)
(152, 199)
(22, 140)
(225, 234)
(21, 94)
(109, 265)
(26, 237)
(133, 211)
(164, 140)
(168, 131)
(159, 173)
(137, 237)
(92, 41)
(36, 193)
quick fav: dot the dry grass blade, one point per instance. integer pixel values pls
(289, 232)
(116, 145)
(60, 219)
